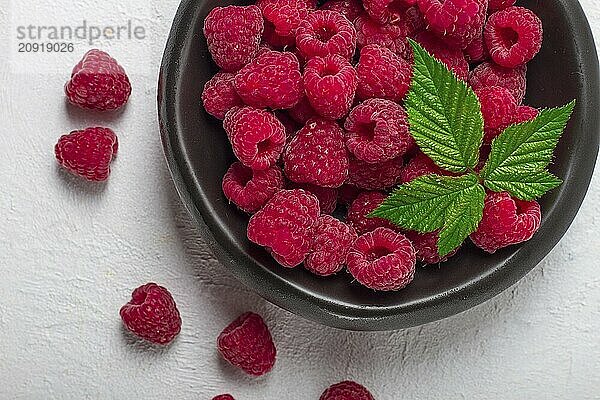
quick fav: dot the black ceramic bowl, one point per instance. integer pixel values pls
(198, 154)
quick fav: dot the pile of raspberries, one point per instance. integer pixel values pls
(311, 98)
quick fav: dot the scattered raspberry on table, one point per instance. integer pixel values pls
(152, 314)
(346, 390)
(246, 343)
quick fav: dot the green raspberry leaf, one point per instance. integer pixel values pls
(432, 202)
(444, 114)
(519, 155)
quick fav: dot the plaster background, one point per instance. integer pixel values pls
(71, 252)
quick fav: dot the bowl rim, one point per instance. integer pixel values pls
(288, 296)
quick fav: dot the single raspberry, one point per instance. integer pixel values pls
(330, 83)
(333, 239)
(257, 137)
(524, 114)
(426, 247)
(98, 82)
(364, 204)
(350, 9)
(496, 5)
(382, 74)
(506, 221)
(327, 196)
(489, 74)
(382, 260)
(317, 155)
(282, 18)
(387, 11)
(152, 314)
(326, 32)
(513, 36)
(418, 166)
(246, 343)
(374, 176)
(219, 95)
(87, 153)
(453, 58)
(285, 225)
(476, 50)
(498, 107)
(233, 35)
(346, 390)
(390, 36)
(272, 80)
(302, 111)
(249, 189)
(377, 130)
(223, 397)
(347, 194)
(457, 22)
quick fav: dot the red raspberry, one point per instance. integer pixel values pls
(246, 343)
(326, 32)
(457, 22)
(496, 5)
(377, 130)
(330, 83)
(87, 153)
(282, 18)
(386, 11)
(302, 111)
(513, 36)
(233, 35)
(327, 196)
(489, 74)
(524, 114)
(476, 50)
(317, 155)
(390, 36)
(364, 204)
(382, 74)
(350, 9)
(223, 397)
(333, 239)
(415, 21)
(506, 221)
(418, 166)
(272, 80)
(454, 59)
(382, 260)
(285, 225)
(152, 314)
(346, 390)
(257, 137)
(249, 189)
(98, 82)
(426, 247)
(347, 194)
(219, 95)
(374, 176)
(498, 107)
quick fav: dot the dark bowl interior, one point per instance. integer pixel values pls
(198, 154)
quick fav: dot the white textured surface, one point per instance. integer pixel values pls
(71, 252)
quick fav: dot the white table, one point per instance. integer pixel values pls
(71, 252)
